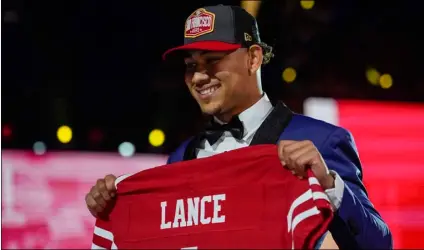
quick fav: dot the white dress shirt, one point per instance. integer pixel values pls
(252, 119)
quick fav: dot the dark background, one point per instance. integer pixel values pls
(96, 65)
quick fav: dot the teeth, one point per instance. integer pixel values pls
(208, 90)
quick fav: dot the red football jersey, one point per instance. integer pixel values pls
(243, 198)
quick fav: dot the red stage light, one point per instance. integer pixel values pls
(7, 130)
(95, 136)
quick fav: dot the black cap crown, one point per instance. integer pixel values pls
(219, 28)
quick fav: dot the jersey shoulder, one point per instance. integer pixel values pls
(122, 178)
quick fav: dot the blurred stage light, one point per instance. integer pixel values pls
(251, 6)
(373, 76)
(64, 134)
(95, 136)
(289, 75)
(307, 4)
(386, 81)
(156, 137)
(126, 149)
(7, 130)
(39, 148)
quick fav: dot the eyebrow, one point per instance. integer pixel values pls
(201, 52)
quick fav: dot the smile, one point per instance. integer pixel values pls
(207, 92)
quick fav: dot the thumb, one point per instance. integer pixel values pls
(110, 183)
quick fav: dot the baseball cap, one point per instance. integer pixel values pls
(218, 28)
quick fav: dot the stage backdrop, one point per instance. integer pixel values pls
(390, 141)
(43, 196)
(43, 202)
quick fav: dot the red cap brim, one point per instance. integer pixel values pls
(204, 45)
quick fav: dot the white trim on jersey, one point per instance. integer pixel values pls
(121, 178)
(299, 200)
(94, 246)
(320, 195)
(105, 234)
(317, 195)
(293, 222)
(303, 216)
(313, 181)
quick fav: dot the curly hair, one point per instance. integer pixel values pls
(267, 52)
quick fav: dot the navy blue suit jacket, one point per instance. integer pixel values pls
(356, 224)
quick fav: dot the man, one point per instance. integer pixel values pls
(223, 54)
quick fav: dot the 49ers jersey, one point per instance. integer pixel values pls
(239, 199)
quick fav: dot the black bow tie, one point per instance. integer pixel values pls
(214, 130)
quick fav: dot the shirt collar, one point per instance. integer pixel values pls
(253, 117)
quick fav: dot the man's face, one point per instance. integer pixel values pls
(215, 79)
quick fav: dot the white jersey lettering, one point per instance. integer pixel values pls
(188, 212)
(193, 211)
(217, 208)
(164, 225)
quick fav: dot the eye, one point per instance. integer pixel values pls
(190, 66)
(213, 60)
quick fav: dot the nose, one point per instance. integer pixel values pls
(200, 78)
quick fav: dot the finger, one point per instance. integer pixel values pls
(296, 146)
(284, 143)
(106, 195)
(289, 154)
(309, 158)
(91, 204)
(281, 145)
(97, 196)
(298, 170)
(101, 188)
(294, 155)
(285, 160)
(101, 203)
(110, 183)
(304, 161)
(293, 151)
(89, 201)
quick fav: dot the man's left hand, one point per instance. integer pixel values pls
(297, 156)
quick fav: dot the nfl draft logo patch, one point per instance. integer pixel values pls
(199, 23)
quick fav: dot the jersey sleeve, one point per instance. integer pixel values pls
(309, 216)
(103, 236)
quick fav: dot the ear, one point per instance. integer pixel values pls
(255, 58)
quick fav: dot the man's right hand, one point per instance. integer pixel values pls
(101, 195)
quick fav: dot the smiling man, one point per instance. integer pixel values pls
(226, 93)
(223, 54)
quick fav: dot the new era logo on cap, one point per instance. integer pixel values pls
(199, 23)
(247, 37)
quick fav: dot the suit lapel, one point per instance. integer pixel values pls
(190, 152)
(270, 130)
